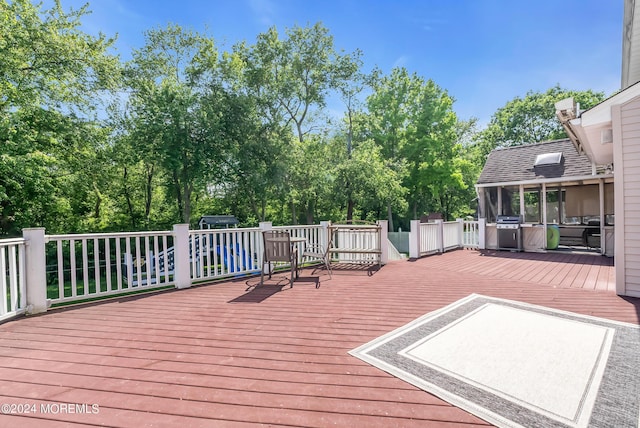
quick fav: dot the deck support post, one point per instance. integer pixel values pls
(414, 239)
(323, 238)
(384, 241)
(440, 236)
(482, 227)
(36, 272)
(181, 261)
(264, 226)
(460, 232)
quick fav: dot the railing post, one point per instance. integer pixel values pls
(384, 241)
(460, 232)
(440, 236)
(414, 239)
(324, 234)
(482, 226)
(36, 272)
(263, 225)
(181, 257)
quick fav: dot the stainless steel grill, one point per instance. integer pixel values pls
(509, 232)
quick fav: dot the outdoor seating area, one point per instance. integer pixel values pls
(216, 354)
(279, 247)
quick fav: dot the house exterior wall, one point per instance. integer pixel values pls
(626, 130)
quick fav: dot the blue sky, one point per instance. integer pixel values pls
(483, 52)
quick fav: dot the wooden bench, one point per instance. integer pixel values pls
(360, 241)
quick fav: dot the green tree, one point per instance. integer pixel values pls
(530, 119)
(292, 78)
(178, 119)
(413, 122)
(52, 76)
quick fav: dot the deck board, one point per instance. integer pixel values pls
(217, 355)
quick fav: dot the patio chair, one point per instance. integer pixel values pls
(278, 249)
(318, 252)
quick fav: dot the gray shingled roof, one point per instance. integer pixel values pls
(516, 163)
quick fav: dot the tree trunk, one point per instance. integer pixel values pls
(176, 185)
(390, 217)
(148, 195)
(310, 211)
(186, 214)
(294, 216)
(127, 197)
(350, 205)
(98, 201)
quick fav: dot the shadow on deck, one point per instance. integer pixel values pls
(198, 358)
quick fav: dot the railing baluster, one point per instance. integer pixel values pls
(60, 259)
(145, 266)
(3, 282)
(128, 262)
(13, 279)
(245, 251)
(207, 255)
(226, 259)
(72, 262)
(156, 259)
(96, 262)
(216, 251)
(192, 252)
(138, 263)
(107, 262)
(22, 285)
(118, 242)
(85, 268)
(200, 255)
(165, 257)
(234, 252)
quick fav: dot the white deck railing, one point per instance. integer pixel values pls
(82, 266)
(439, 236)
(471, 234)
(313, 234)
(357, 243)
(219, 253)
(79, 267)
(430, 236)
(451, 235)
(12, 278)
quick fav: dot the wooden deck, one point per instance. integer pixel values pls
(216, 355)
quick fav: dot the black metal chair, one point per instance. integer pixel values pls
(278, 249)
(319, 252)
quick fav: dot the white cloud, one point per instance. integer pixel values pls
(264, 11)
(401, 61)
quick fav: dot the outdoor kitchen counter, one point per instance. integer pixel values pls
(534, 237)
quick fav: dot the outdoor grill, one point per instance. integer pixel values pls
(509, 232)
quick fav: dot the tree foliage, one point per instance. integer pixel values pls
(189, 130)
(530, 119)
(50, 74)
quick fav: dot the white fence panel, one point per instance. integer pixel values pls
(471, 234)
(356, 243)
(313, 234)
(451, 235)
(220, 253)
(12, 278)
(95, 265)
(429, 238)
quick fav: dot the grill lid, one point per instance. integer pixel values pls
(508, 219)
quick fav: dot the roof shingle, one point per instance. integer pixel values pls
(517, 163)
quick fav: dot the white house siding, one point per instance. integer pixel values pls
(627, 191)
